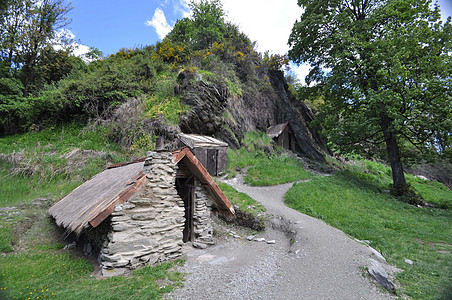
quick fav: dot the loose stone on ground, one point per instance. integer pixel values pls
(379, 274)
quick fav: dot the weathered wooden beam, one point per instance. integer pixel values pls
(120, 199)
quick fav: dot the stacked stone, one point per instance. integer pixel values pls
(202, 222)
(149, 227)
(94, 240)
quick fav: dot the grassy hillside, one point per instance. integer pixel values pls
(52, 162)
(264, 165)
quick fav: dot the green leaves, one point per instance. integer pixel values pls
(28, 32)
(388, 72)
(390, 57)
(203, 28)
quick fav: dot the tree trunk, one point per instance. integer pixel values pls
(392, 148)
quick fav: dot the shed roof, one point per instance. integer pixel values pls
(200, 172)
(195, 140)
(276, 130)
(101, 193)
(96, 199)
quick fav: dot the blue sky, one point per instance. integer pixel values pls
(110, 25)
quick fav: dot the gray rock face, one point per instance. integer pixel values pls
(70, 246)
(377, 254)
(113, 272)
(377, 272)
(202, 223)
(214, 111)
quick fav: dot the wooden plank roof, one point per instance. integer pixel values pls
(101, 193)
(276, 130)
(93, 201)
(195, 140)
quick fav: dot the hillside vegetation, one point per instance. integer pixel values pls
(205, 77)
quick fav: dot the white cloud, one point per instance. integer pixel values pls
(268, 22)
(60, 36)
(300, 71)
(159, 23)
(80, 50)
(77, 48)
(182, 8)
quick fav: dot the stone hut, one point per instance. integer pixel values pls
(142, 212)
(283, 136)
(212, 153)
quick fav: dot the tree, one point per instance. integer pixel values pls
(28, 27)
(384, 68)
(12, 23)
(203, 28)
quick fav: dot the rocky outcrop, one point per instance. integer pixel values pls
(215, 112)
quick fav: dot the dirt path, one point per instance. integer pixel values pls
(320, 262)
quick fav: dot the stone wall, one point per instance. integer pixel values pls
(148, 228)
(202, 222)
(94, 240)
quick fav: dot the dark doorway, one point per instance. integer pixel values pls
(185, 190)
(290, 142)
(212, 158)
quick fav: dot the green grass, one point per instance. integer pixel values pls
(245, 202)
(58, 138)
(164, 101)
(433, 192)
(39, 267)
(356, 201)
(46, 167)
(256, 140)
(6, 237)
(276, 170)
(264, 168)
(63, 276)
(249, 212)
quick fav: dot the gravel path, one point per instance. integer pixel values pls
(321, 262)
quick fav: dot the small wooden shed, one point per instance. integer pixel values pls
(283, 135)
(212, 153)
